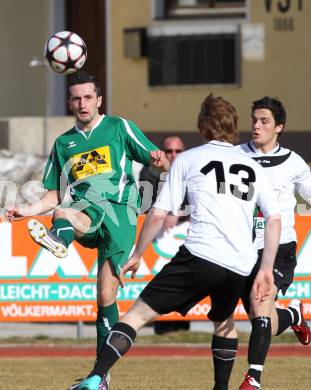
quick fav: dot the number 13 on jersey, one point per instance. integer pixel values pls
(243, 190)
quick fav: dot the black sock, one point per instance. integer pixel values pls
(259, 344)
(224, 351)
(286, 318)
(117, 343)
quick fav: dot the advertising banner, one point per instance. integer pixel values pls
(37, 286)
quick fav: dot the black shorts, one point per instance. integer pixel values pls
(187, 279)
(283, 271)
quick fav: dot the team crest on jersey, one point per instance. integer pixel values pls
(91, 163)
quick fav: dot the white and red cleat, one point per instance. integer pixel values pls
(302, 329)
(250, 383)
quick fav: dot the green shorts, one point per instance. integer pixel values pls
(113, 232)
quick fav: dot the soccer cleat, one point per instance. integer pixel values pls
(91, 383)
(302, 329)
(104, 384)
(42, 236)
(94, 382)
(250, 383)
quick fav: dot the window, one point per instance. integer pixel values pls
(172, 9)
(194, 59)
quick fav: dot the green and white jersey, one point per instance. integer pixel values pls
(97, 164)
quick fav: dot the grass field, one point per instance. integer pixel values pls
(148, 373)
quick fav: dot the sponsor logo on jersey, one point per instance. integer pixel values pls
(259, 221)
(264, 161)
(91, 163)
(272, 161)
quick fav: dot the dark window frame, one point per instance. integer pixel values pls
(192, 60)
(217, 9)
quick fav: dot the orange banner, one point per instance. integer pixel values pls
(36, 286)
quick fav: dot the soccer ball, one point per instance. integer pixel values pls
(65, 52)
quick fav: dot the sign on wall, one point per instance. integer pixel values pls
(36, 286)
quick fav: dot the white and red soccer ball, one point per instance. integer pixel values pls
(65, 52)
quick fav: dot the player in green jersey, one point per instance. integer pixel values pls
(93, 161)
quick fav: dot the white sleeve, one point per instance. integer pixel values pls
(266, 198)
(173, 190)
(303, 181)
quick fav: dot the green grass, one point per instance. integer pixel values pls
(178, 373)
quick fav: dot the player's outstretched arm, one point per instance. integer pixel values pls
(151, 227)
(263, 284)
(159, 160)
(47, 203)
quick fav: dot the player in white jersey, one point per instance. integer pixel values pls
(223, 187)
(287, 173)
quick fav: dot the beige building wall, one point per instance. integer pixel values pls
(280, 67)
(23, 31)
(33, 135)
(283, 69)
